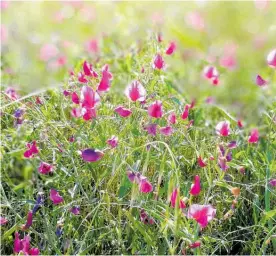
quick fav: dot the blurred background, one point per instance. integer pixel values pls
(42, 41)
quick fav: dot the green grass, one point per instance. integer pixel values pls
(110, 204)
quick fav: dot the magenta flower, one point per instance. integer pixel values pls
(89, 113)
(240, 124)
(88, 69)
(223, 128)
(105, 82)
(201, 162)
(172, 118)
(185, 113)
(23, 245)
(48, 51)
(158, 62)
(81, 78)
(272, 182)
(92, 46)
(75, 98)
(29, 221)
(232, 144)
(271, 59)
(45, 168)
(222, 162)
(66, 93)
(151, 129)
(122, 111)
(260, 81)
(144, 185)
(195, 244)
(135, 91)
(131, 176)
(76, 112)
(3, 220)
(167, 131)
(254, 136)
(210, 72)
(32, 150)
(91, 155)
(113, 141)
(174, 195)
(75, 210)
(171, 48)
(155, 109)
(203, 214)
(12, 93)
(145, 218)
(55, 197)
(89, 98)
(195, 188)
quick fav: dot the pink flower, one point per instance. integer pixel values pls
(171, 48)
(3, 220)
(91, 155)
(55, 197)
(89, 98)
(131, 176)
(155, 109)
(254, 136)
(239, 123)
(66, 93)
(222, 162)
(135, 91)
(195, 244)
(158, 62)
(17, 246)
(195, 20)
(12, 94)
(32, 150)
(203, 214)
(81, 78)
(172, 118)
(167, 131)
(260, 81)
(75, 98)
(195, 188)
(200, 162)
(145, 186)
(75, 210)
(272, 182)
(174, 198)
(113, 141)
(92, 46)
(48, 51)
(122, 111)
(29, 220)
(223, 128)
(88, 69)
(105, 82)
(271, 59)
(185, 113)
(151, 129)
(45, 168)
(76, 112)
(232, 144)
(159, 37)
(210, 72)
(89, 113)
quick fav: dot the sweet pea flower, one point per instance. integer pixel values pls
(203, 214)
(271, 59)
(32, 150)
(201, 162)
(166, 131)
(92, 46)
(135, 91)
(195, 188)
(45, 168)
(144, 185)
(254, 136)
(89, 113)
(158, 62)
(173, 199)
(195, 20)
(195, 244)
(155, 110)
(240, 124)
(75, 210)
(76, 112)
(185, 113)
(151, 129)
(222, 162)
(113, 141)
(131, 176)
(272, 182)
(82, 78)
(122, 111)
(232, 144)
(172, 118)
(3, 221)
(55, 197)
(89, 98)
(223, 128)
(105, 82)
(75, 98)
(12, 93)
(171, 48)
(29, 221)
(210, 72)
(88, 69)
(48, 51)
(260, 81)
(145, 218)
(23, 245)
(91, 155)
